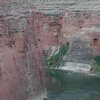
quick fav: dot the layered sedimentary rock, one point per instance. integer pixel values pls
(51, 33)
(73, 17)
(79, 51)
(83, 22)
(21, 61)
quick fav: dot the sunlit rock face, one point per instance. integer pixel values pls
(21, 61)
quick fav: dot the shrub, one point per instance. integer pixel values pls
(97, 59)
(96, 64)
(55, 60)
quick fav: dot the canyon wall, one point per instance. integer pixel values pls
(21, 62)
(60, 29)
(79, 51)
(83, 22)
(24, 33)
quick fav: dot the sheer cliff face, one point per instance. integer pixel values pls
(83, 22)
(21, 62)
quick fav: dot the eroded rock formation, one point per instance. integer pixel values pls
(83, 22)
(24, 32)
(21, 61)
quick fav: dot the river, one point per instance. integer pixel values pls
(66, 85)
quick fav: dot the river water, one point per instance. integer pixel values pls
(66, 85)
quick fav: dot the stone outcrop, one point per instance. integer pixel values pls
(83, 22)
(21, 61)
(72, 17)
(51, 32)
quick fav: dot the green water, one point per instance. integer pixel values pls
(64, 85)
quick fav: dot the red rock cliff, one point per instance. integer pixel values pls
(83, 22)
(21, 61)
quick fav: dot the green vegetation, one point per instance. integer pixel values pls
(55, 60)
(97, 59)
(96, 64)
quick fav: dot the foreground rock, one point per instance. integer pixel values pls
(21, 62)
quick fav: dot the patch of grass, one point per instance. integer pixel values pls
(54, 60)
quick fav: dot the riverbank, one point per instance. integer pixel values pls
(78, 68)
